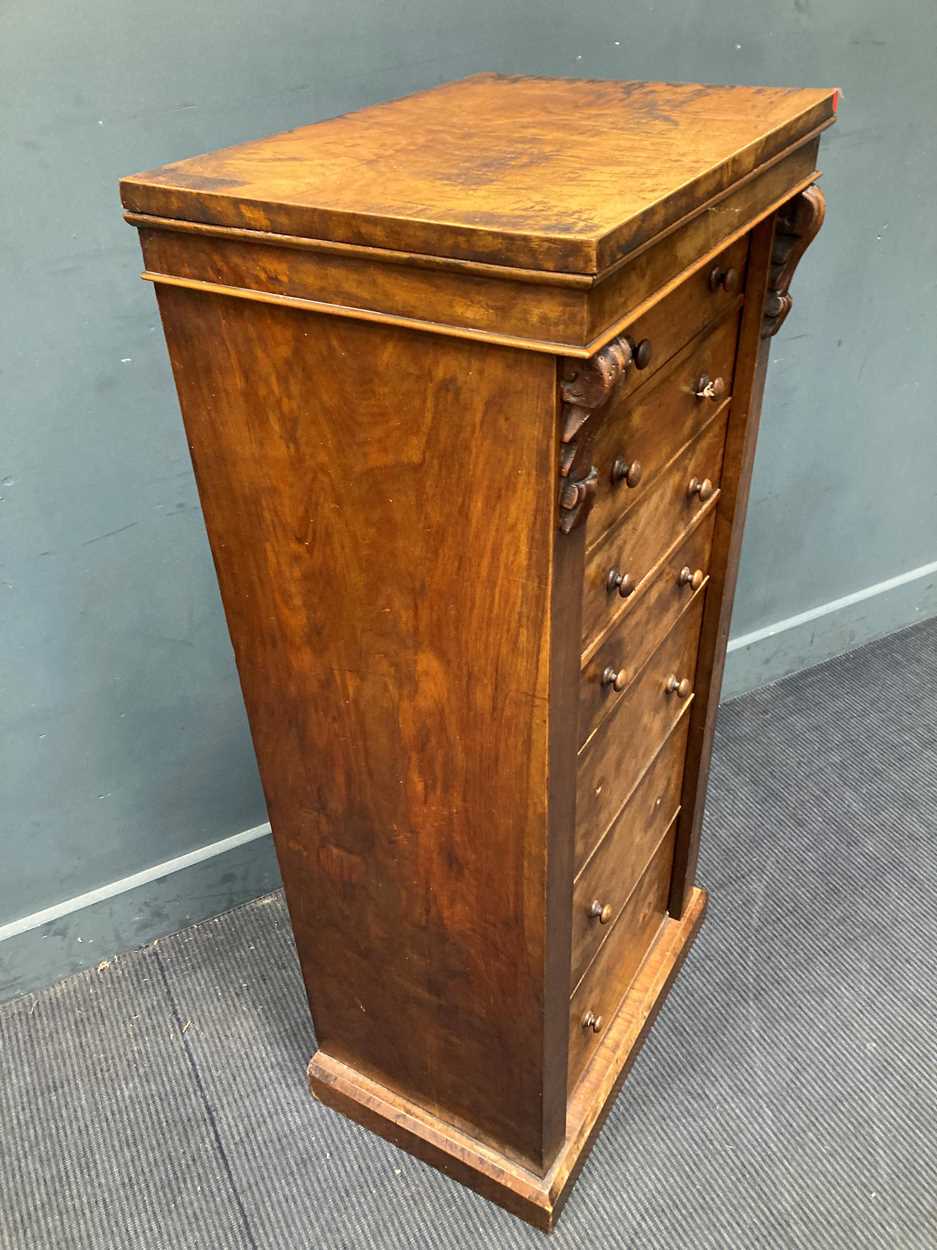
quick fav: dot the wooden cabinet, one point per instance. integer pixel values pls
(471, 383)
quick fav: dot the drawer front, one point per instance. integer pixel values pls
(628, 553)
(655, 788)
(638, 438)
(616, 865)
(613, 969)
(648, 617)
(628, 739)
(678, 317)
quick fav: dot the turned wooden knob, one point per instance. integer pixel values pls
(702, 488)
(690, 577)
(709, 388)
(640, 353)
(602, 914)
(630, 474)
(728, 279)
(622, 582)
(678, 686)
(616, 678)
(591, 1021)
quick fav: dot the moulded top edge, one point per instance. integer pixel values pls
(544, 174)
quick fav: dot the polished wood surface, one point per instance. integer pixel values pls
(501, 168)
(472, 410)
(641, 806)
(650, 616)
(674, 319)
(614, 757)
(643, 435)
(635, 548)
(375, 613)
(596, 996)
(469, 299)
(607, 879)
(536, 1199)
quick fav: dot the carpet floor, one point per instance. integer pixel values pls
(787, 1096)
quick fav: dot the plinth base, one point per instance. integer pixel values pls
(536, 1199)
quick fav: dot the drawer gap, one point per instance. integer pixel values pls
(613, 699)
(697, 435)
(627, 899)
(629, 603)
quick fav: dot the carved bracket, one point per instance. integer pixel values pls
(797, 225)
(586, 387)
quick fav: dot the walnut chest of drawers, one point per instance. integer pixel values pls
(471, 383)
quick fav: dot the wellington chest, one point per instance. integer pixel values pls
(471, 382)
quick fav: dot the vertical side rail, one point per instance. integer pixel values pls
(777, 245)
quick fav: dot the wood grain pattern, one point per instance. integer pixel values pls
(676, 318)
(607, 978)
(488, 299)
(635, 547)
(374, 614)
(545, 173)
(605, 883)
(429, 290)
(657, 421)
(538, 1200)
(410, 350)
(656, 789)
(645, 623)
(509, 307)
(628, 738)
(627, 289)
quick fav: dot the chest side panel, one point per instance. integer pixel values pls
(380, 507)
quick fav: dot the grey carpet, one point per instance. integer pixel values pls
(785, 1099)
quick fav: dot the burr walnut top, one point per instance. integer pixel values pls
(536, 173)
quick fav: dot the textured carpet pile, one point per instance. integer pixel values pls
(787, 1096)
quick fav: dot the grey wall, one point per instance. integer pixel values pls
(124, 743)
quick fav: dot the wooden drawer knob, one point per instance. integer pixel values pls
(702, 488)
(591, 1021)
(640, 353)
(726, 279)
(689, 577)
(602, 914)
(622, 582)
(709, 388)
(616, 678)
(630, 474)
(678, 686)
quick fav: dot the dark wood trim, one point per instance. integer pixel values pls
(585, 390)
(798, 224)
(742, 433)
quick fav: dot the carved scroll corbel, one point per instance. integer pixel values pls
(797, 225)
(586, 387)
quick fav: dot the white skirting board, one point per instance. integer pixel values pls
(80, 932)
(765, 655)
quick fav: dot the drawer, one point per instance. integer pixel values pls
(605, 884)
(628, 553)
(649, 615)
(678, 317)
(606, 982)
(641, 435)
(627, 740)
(657, 787)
